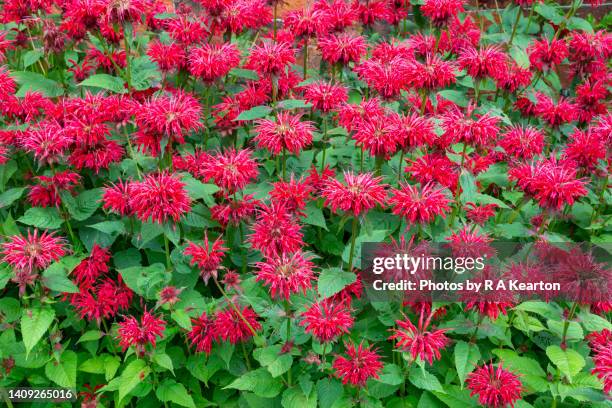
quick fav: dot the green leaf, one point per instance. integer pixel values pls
(32, 81)
(593, 322)
(329, 391)
(255, 113)
(466, 357)
(197, 189)
(391, 374)
(134, 374)
(333, 280)
(10, 196)
(104, 364)
(454, 96)
(91, 335)
(271, 357)
(31, 57)
(549, 12)
(295, 398)
(512, 230)
(164, 361)
(244, 73)
(146, 281)
(181, 318)
(568, 361)
(84, 205)
(43, 218)
(63, 373)
(424, 380)
(34, 323)
(109, 227)
(105, 81)
(171, 391)
(468, 187)
(577, 23)
(258, 381)
(314, 216)
(487, 199)
(55, 277)
(293, 104)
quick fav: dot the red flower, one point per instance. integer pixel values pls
(286, 274)
(91, 268)
(159, 197)
(555, 113)
(326, 320)
(36, 251)
(342, 48)
(516, 78)
(522, 142)
(488, 61)
(495, 387)
(234, 326)
(231, 170)
(293, 194)
(47, 141)
(211, 62)
(544, 55)
(414, 130)
(207, 257)
(308, 22)
(552, 182)
(271, 58)
(103, 300)
(418, 341)
(167, 56)
(116, 197)
(47, 192)
(185, 29)
(419, 204)
(202, 333)
(362, 363)
(460, 127)
(325, 96)
(169, 115)
(434, 73)
(358, 194)
(586, 149)
(378, 135)
(169, 295)
(440, 12)
(480, 214)
(286, 133)
(234, 210)
(388, 78)
(140, 334)
(276, 232)
(340, 13)
(601, 344)
(434, 167)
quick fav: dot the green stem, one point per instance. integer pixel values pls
(517, 210)
(167, 251)
(231, 303)
(600, 202)
(306, 58)
(566, 324)
(516, 22)
(399, 168)
(324, 141)
(457, 189)
(288, 313)
(473, 337)
(246, 356)
(284, 164)
(353, 239)
(530, 19)
(128, 70)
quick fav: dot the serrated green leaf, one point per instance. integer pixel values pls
(333, 280)
(466, 357)
(43, 218)
(135, 373)
(254, 113)
(568, 361)
(63, 373)
(34, 324)
(32, 81)
(171, 391)
(105, 81)
(10, 196)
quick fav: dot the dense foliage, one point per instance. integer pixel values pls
(185, 191)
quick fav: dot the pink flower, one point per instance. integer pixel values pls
(358, 194)
(159, 197)
(434, 73)
(418, 341)
(116, 197)
(361, 364)
(544, 55)
(271, 58)
(342, 48)
(236, 326)
(488, 61)
(420, 204)
(47, 141)
(276, 232)
(586, 149)
(140, 333)
(207, 257)
(231, 170)
(440, 12)
(34, 252)
(286, 133)
(285, 274)
(211, 62)
(522, 142)
(325, 96)
(327, 320)
(91, 268)
(202, 333)
(168, 57)
(495, 387)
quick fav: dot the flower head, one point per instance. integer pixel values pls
(358, 194)
(35, 251)
(342, 48)
(231, 170)
(236, 326)
(419, 204)
(325, 96)
(207, 257)
(286, 274)
(495, 387)
(418, 340)
(360, 364)
(544, 55)
(327, 320)
(440, 12)
(140, 333)
(489, 61)
(202, 333)
(159, 197)
(276, 231)
(271, 58)
(211, 62)
(286, 133)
